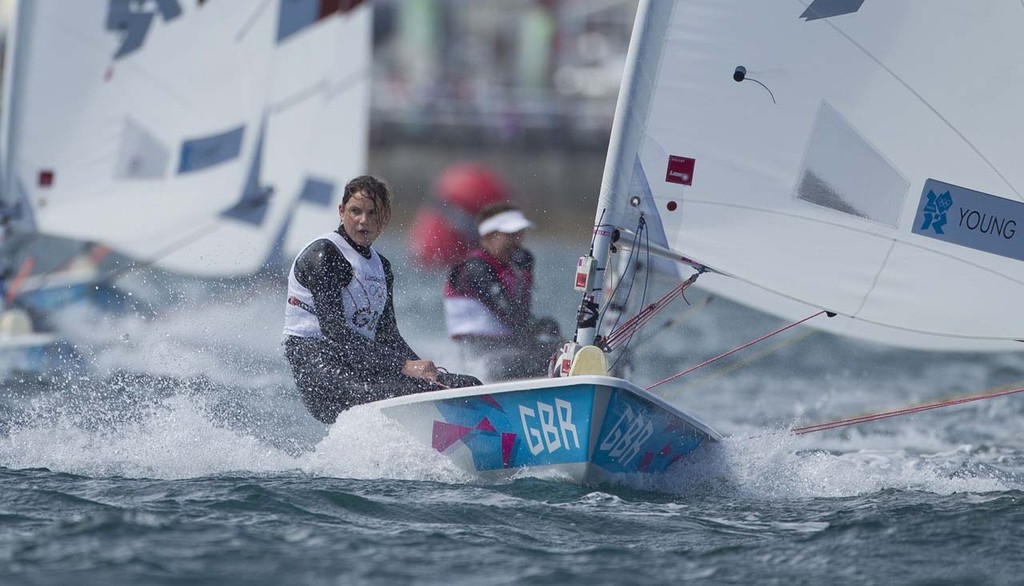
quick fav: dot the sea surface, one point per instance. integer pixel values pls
(182, 455)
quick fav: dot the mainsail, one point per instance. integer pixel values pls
(181, 134)
(858, 157)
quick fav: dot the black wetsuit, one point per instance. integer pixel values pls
(526, 351)
(342, 367)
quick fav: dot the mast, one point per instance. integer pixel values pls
(631, 112)
(13, 63)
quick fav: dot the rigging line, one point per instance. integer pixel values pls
(747, 361)
(926, 103)
(322, 87)
(643, 296)
(647, 313)
(905, 411)
(631, 269)
(627, 331)
(257, 13)
(765, 87)
(615, 290)
(734, 350)
(687, 313)
(614, 340)
(597, 226)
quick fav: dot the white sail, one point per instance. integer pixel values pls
(124, 125)
(873, 174)
(179, 133)
(321, 114)
(315, 139)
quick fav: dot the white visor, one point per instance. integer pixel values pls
(508, 222)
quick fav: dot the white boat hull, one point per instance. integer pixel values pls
(588, 429)
(39, 355)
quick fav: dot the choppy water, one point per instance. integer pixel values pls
(184, 457)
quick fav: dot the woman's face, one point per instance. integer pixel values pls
(502, 245)
(361, 219)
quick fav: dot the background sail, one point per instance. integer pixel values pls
(129, 127)
(812, 190)
(181, 133)
(321, 114)
(315, 139)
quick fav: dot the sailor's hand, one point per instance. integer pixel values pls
(424, 369)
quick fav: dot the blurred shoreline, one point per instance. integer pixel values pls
(557, 188)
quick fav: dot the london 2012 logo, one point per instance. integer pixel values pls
(935, 211)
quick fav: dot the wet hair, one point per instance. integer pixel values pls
(493, 210)
(376, 190)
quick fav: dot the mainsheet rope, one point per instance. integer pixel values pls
(626, 331)
(906, 411)
(734, 350)
(839, 422)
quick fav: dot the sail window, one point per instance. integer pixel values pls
(845, 173)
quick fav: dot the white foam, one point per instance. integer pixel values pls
(230, 335)
(363, 443)
(175, 439)
(779, 464)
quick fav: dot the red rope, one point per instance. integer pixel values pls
(645, 315)
(906, 411)
(733, 351)
(23, 272)
(633, 324)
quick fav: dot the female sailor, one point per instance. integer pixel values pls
(341, 336)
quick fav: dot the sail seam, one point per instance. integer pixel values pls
(860, 231)
(926, 103)
(322, 87)
(878, 275)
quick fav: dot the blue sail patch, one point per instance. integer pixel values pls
(316, 191)
(200, 153)
(829, 8)
(971, 219)
(132, 21)
(296, 15)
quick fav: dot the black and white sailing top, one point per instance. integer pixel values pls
(485, 297)
(342, 291)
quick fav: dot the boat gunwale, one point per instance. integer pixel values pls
(548, 383)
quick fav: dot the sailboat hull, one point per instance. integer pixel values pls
(587, 429)
(38, 355)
